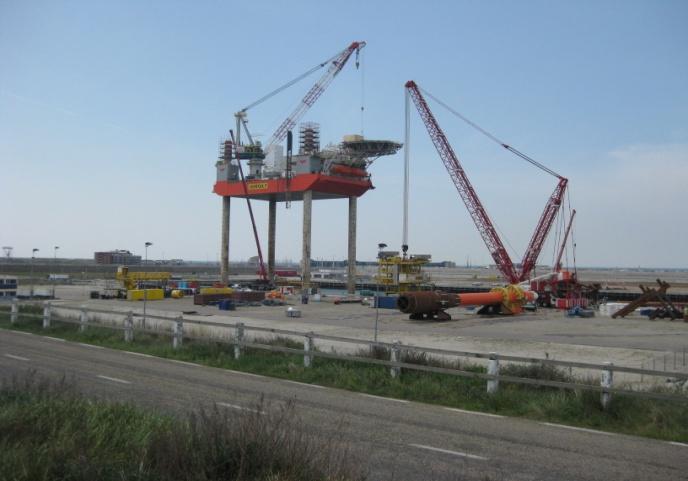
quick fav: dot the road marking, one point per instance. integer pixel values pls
(446, 451)
(138, 354)
(18, 358)
(305, 384)
(240, 408)
(489, 415)
(385, 398)
(54, 338)
(675, 443)
(24, 332)
(574, 428)
(91, 345)
(113, 379)
(244, 373)
(186, 363)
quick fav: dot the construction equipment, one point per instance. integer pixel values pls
(254, 152)
(263, 272)
(470, 197)
(517, 277)
(402, 273)
(133, 280)
(336, 63)
(432, 305)
(651, 295)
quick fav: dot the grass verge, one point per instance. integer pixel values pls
(659, 419)
(48, 431)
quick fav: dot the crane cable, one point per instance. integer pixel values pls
(362, 86)
(289, 84)
(573, 240)
(492, 137)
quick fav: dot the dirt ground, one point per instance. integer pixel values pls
(633, 341)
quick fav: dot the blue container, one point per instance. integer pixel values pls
(226, 305)
(386, 302)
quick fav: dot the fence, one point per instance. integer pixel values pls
(395, 363)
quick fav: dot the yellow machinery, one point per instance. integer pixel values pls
(147, 294)
(404, 273)
(215, 290)
(131, 280)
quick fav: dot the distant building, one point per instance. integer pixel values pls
(117, 257)
(8, 287)
(441, 264)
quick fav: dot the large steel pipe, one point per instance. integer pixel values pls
(432, 305)
(426, 302)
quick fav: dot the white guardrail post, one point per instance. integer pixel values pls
(177, 332)
(46, 315)
(14, 314)
(308, 346)
(238, 339)
(129, 327)
(395, 354)
(83, 319)
(493, 370)
(606, 382)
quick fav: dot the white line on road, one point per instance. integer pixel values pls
(113, 379)
(24, 332)
(240, 408)
(675, 443)
(574, 428)
(446, 451)
(138, 354)
(18, 358)
(305, 384)
(245, 373)
(489, 415)
(186, 363)
(384, 398)
(54, 338)
(91, 345)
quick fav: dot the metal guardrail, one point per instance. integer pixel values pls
(395, 363)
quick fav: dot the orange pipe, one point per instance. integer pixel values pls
(480, 298)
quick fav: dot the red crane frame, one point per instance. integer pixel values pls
(475, 208)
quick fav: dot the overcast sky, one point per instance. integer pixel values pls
(111, 113)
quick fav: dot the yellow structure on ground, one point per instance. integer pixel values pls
(148, 294)
(130, 280)
(216, 290)
(397, 273)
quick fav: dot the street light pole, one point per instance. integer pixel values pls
(54, 264)
(380, 246)
(33, 256)
(145, 290)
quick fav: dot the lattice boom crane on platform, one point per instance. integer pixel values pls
(336, 64)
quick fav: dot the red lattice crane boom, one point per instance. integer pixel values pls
(544, 225)
(475, 208)
(463, 185)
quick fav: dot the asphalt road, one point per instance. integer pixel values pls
(396, 440)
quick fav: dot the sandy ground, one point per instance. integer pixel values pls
(634, 341)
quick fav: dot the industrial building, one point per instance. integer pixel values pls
(119, 257)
